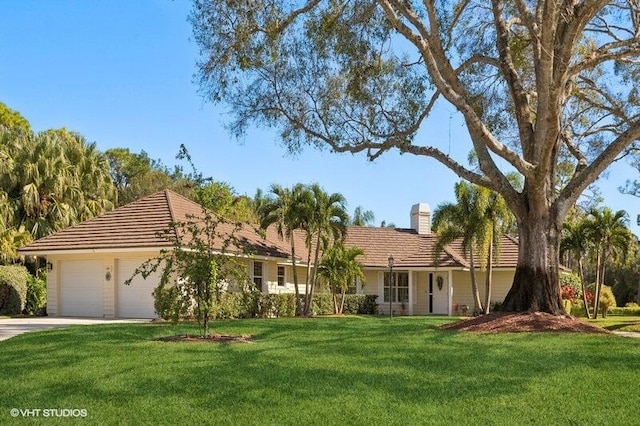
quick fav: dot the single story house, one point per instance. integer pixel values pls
(88, 263)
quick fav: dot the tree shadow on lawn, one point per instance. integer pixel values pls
(295, 363)
(289, 366)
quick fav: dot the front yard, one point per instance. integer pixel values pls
(354, 370)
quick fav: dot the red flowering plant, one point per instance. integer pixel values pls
(589, 296)
(568, 293)
(570, 288)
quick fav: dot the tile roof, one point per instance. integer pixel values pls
(410, 249)
(140, 225)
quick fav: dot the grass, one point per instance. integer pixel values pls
(618, 323)
(354, 370)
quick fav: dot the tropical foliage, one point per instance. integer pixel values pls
(340, 269)
(575, 244)
(362, 217)
(320, 219)
(594, 241)
(479, 219)
(284, 209)
(48, 181)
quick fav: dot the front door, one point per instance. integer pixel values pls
(438, 298)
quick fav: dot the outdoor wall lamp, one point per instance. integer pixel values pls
(390, 285)
(49, 266)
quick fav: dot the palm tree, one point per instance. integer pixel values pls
(285, 211)
(500, 220)
(338, 268)
(325, 223)
(362, 217)
(575, 241)
(60, 180)
(611, 238)
(464, 220)
(97, 190)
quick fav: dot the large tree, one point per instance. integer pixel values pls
(537, 83)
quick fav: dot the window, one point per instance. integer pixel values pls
(400, 290)
(257, 275)
(281, 280)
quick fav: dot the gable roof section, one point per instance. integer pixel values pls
(140, 225)
(410, 249)
(134, 225)
(406, 245)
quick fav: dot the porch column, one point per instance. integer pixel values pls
(410, 292)
(449, 292)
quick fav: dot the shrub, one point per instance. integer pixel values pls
(570, 286)
(285, 305)
(322, 304)
(627, 310)
(36, 303)
(250, 304)
(360, 304)
(369, 305)
(170, 303)
(13, 289)
(607, 300)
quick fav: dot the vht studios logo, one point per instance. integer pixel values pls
(48, 412)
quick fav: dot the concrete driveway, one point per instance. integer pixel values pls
(14, 326)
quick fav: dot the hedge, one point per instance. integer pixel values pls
(13, 289)
(170, 306)
(36, 303)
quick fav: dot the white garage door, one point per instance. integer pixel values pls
(135, 300)
(81, 288)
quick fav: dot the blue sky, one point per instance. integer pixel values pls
(121, 73)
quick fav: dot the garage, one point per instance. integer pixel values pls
(81, 292)
(135, 300)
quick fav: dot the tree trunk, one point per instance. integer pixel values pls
(584, 288)
(596, 292)
(474, 284)
(488, 278)
(314, 275)
(536, 283)
(305, 309)
(295, 276)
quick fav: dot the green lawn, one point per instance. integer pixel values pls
(352, 370)
(618, 323)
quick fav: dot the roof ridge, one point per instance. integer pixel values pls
(167, 192)
(453, 255)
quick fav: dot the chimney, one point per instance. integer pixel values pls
(421, 218)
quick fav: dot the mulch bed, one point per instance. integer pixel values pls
(510, 322)
(213, 338)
